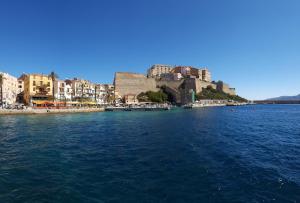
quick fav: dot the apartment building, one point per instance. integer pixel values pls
(37, 87)
(188, 71)
(83, 89)
(8, 89)
(158, 69)
(100, 94)
(20, 91)
(62, 90)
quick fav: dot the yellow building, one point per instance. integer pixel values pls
(37, 87)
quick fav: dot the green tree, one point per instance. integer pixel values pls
(210, 93)
(53, 76)
(150, 96)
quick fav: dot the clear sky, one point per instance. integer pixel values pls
(254, 45)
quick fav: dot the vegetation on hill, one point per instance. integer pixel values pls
(150, 96)
(210, 93)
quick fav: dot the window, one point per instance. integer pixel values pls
(33, 89)
(41, 83)
(33, 83)
(48, 84)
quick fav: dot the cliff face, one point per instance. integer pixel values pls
(132, 83)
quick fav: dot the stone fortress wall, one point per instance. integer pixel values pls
(133, 83)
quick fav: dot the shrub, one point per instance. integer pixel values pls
(150, 96)
(210, 93)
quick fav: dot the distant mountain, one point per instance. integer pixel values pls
(286, 98)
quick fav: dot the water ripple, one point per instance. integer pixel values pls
(250, 154)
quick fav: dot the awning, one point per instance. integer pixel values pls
(46, 102)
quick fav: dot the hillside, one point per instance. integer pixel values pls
(210, 93)
(285, 98)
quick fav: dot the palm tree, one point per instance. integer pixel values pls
(53, 76)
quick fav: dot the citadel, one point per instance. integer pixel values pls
(179, 81)
(42, 90)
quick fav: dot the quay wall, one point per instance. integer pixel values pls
(47, 111)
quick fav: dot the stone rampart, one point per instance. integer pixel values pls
(133, 83)
(203, 84)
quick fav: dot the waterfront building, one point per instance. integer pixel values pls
(111, 92)
(21, 84)
(62, 90)
(101, 94)
(77, 88)
(37, 87)
(8, 89)
(20, 91)
(83, 90)
(158, 69)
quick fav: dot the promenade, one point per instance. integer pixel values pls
(47, 111)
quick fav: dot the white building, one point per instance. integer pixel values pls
(101, 94)
(62, 90)
(8, 89)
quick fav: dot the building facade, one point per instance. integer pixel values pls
(83, 90)
(101, 94)
(191, 72)
(62, 90)
(206, 75)
(166, 71)
(158, 69)
(20, 92)
(8, 89)
(171, 76)
(37, 87)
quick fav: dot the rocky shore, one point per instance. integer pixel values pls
(47, 111)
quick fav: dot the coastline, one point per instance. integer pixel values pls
(47, 111)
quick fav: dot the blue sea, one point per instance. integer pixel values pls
(216, 154)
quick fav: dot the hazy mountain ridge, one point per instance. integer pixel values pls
(286, 98)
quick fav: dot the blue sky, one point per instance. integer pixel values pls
(254, 45)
